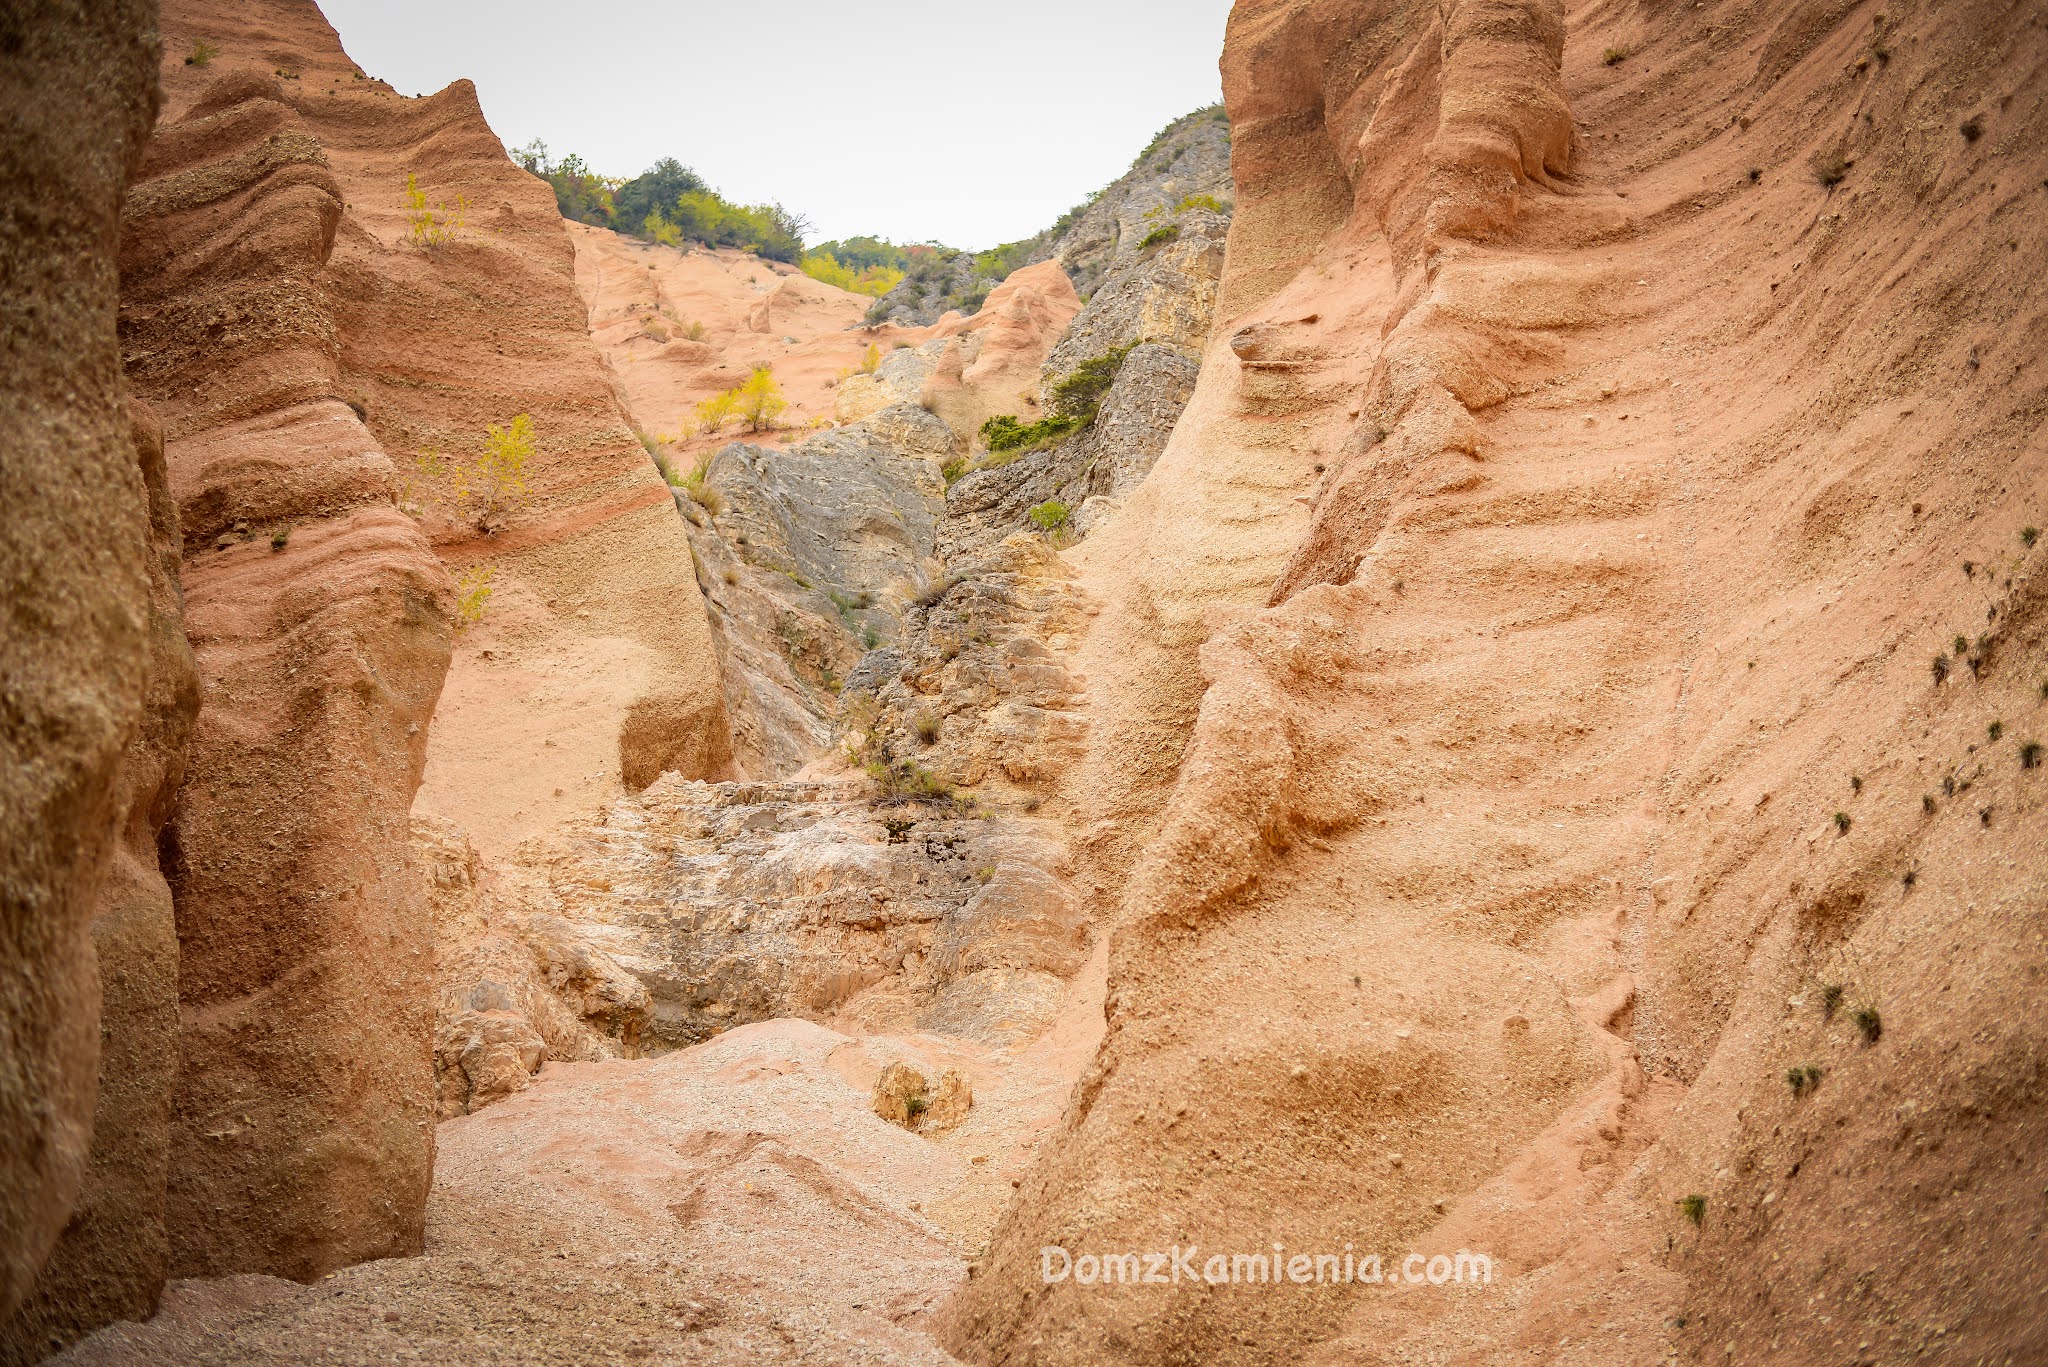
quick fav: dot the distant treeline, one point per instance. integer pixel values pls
(671, 204)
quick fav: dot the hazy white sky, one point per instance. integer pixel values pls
(957, 120)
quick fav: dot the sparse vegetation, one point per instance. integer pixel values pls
(668, 204)
(926, 727)
(279, 537)
(202, 53)
(1830, 1000)
(1841, 823)
(1940, 668)
(2029, 535)
(874, 281)
(1693, 1208)
(1869, 1023)
(431, 225)
(718, 410)
(1615, 56)
(1050, 516)
(1209, 202)
(1802, 1080)
(937, 590)
(1083, 389)
(760, 400)
(1006, 436)
(2030, 755)
(581, 194)
(1962, 645)
(1160, 236)
(952, 470)
(871, 359)
(482, 490)
(1995, 730)
(902, 778)
(1927, 804)
(1972, 128)
(1828, 168)
(1756, 174)
(495, 483)
(697, 484)
(1855, 783)
(473, 595)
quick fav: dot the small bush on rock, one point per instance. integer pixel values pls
(430, 226)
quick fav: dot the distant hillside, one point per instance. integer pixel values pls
(1189, 160)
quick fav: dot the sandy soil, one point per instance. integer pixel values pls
(738, 1201)
(644, 299)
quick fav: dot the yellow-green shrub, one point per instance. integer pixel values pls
(760, 400)
(430, 225)
(473, 594)
(718, 410)
(875, 281)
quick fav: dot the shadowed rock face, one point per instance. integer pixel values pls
(320, 620)
(77, 634)
(114, 1254)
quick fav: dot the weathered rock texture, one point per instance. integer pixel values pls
(1483, 668)
(979, 690)
(1190, 159)
(810, 555)
(1154, 292)
(113, 1256)
(1105, 461)
(731, 903)
(82, 646)
(806, 565)
(305, 347)
(320, 620)
(591, 603)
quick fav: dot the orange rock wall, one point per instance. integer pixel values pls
(1565, 530)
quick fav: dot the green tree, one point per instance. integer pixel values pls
(655, 189)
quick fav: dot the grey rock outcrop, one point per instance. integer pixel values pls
(735, 902)
(1189, 159)
(1105, 460)
(806, 565)
(1165, 293)
(980, 696)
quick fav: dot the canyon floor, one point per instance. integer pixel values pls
(734, 1202)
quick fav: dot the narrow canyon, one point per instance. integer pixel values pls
(1415, 736)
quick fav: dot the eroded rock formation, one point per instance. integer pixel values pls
(321, 623)
(90, 652)
(1544, 712)
(1513, 727)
